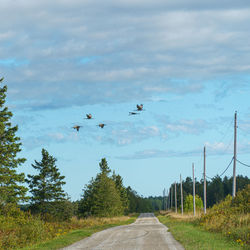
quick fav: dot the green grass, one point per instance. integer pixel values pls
(74, 236)
(195, 237)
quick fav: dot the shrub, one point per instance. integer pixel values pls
(188, 203)
(230, 217)
(54, 211)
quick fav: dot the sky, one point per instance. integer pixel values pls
(186, 61)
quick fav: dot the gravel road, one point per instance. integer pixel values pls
(146, 233)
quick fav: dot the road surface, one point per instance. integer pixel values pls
(146, 233)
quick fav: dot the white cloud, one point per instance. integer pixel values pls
(141, 46)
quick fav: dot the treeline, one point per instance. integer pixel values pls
(217, 189)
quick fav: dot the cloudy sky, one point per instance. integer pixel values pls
(186, 61)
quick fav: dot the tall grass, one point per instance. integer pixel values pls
(20, 229)
(230, 217)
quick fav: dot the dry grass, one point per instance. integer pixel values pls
(96, 221)
(19, 229)
(184, 217)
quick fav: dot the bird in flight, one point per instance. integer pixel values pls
(89, 116)
(77, 127)
(101, 125)
(139, 107)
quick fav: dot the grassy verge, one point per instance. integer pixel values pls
(195, 237)
(76, 235)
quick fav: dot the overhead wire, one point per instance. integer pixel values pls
(227, 167)
(243, 163)
(223, 171)
(226, 132)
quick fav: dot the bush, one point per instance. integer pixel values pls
(20, 229)
(230, 217)
(54, 211)
(188, 203)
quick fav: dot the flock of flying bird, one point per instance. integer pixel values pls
(101, 125)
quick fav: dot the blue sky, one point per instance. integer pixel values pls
(186, 61)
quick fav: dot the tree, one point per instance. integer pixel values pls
(46, 186)
(188, 203)
(122, 191)
(215, 191)
(101, 197)
(11, 188)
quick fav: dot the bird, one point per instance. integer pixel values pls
(101, 125)
(77, 127)
(1, 79)
(133, 113)
(89, 116)
(139, 107)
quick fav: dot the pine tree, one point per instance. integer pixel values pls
(101, 197)
(11, 189)
(46, 186)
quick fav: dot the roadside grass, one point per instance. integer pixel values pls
(194, 237)
(76, 235)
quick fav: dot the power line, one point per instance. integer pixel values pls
(209, 177)
(224, 170)
(225, 133)
(227, 167)
(243, 163)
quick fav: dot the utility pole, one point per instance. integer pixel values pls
(167, 201)
(163, 200)
(235, 153)
(193, 190)
(181, 196)
(205, 186)
(171, 196)
(175, 197)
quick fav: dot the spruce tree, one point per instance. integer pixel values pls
(122, 191)
(11, 188)
(46, 186)
(101, 197)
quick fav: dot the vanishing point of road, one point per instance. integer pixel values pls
(146, 233)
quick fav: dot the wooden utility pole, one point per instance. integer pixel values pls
(193, 190)
(205, 185)
(163, 200)
(181, 196)
(175, 197)
(167, 201)
(171, 196)
(235, 153)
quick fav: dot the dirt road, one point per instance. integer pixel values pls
(147, 233)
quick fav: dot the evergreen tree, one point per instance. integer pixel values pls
(106, 198)
(46, 186)
(11, 189)
(101, 197)
(122, 191)
(104, 166)
(215, 191)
